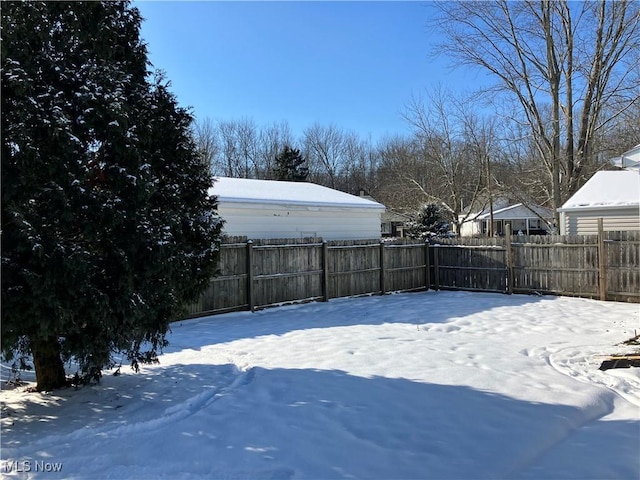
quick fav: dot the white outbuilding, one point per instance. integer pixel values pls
(273, 209)
(613, 196)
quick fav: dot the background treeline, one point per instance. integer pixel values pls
(453, 154)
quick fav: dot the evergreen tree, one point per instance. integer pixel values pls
(289, 165)
(107, 226)
(431, 221)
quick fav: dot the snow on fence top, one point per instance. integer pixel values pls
(607, 189)
(242, 190)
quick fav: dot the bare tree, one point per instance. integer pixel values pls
(272, 140)
(247, 147)
(325, 149)
(358, 164)
(206, 137)
(572, 67)
(229, 155)
(454, 153)
(400, 158)
(239, 148)
(481, 137)
(519, 171)
(624, 133)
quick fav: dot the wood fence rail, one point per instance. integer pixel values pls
(261, 273)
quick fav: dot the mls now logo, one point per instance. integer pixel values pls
(26, 466)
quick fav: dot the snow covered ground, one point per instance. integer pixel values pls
(435, 385)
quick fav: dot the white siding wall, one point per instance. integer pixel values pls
(585, 222)
(274, 221)
(469, 228)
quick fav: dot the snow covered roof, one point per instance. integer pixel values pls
(606, 190)
(517, 211)
(502, 210)
(390, 216)
(242, 190)
(628, 160)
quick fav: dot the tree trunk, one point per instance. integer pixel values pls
(48, 364)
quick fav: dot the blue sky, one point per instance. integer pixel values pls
(350, 64)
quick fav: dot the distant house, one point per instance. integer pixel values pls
(524, 219)
(394, 224)
(613, 196)
(273, 209)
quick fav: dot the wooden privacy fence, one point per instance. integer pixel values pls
(261, 273)
(604, 266)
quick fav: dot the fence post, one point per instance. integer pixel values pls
(325, 271)
(602, 264)
(436, 268)
(427, 273)
(509, 255)
(250, 275)
(382, 286)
